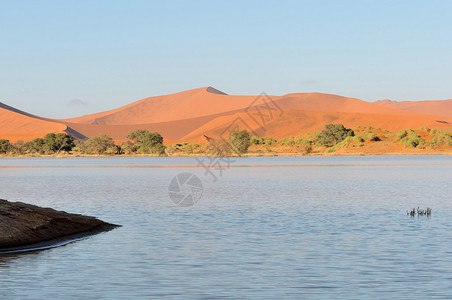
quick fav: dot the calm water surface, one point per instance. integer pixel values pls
(310, 227)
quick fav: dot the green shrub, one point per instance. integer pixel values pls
(37, 145)
(373, 138)
(441, 138)
(159, 149)
(5, 146)
(146, 138)
(190, 148)
(412, 140)
(268, 141)
(100, 144)
(359, 139)
(146, 142)
(333, 134)
(19, 147)
(286, 142)
(58, 142)
(255, 140)
(401, 134)
(239, 141)
(305, 142)
(129, 148)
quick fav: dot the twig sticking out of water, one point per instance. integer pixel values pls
(420, 212)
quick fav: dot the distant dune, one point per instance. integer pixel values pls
(188, 116)
(440, 108)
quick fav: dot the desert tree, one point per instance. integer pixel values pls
(147, 142)
(58, 142)
(239, 141)
(5, 146)
(333, 134)
(100, 144)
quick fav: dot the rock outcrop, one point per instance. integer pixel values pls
(26, 227)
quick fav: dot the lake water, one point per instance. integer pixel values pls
(306, 228)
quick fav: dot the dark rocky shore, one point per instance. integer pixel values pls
(26, 227)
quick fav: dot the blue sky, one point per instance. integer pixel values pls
(68, 58)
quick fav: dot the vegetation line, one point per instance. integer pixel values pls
(334, 139)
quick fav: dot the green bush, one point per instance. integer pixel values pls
(359, 139)
(58, 142)
(190, 148)
(373, 138)
(144, 137)
(239, 141)
(255, 140)
(100, 144)
(37, 146)
(333, 134)
(159, 149)
(19, 147)
(147, 142)
(441, 138)
(5, 146)
(286, 142)
(305, 142)
(401, 134)
(268, 141)
(412, 140)
(129, 148)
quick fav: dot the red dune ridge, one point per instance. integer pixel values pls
(188, 116)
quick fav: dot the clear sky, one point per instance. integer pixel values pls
(68, 58)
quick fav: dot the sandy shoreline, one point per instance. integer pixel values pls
(272, 154)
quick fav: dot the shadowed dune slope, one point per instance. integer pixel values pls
(17, 125)
(171, 130)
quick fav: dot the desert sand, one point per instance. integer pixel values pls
(16, 125)
(188, 116)
(439, 108)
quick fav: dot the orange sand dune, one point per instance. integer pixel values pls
(184, 105)
(440, 108)
(189, 115)
(17, 125)
(186, 115)
(171, 131)
(329, 102)
(294, 122)
(207, 101)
